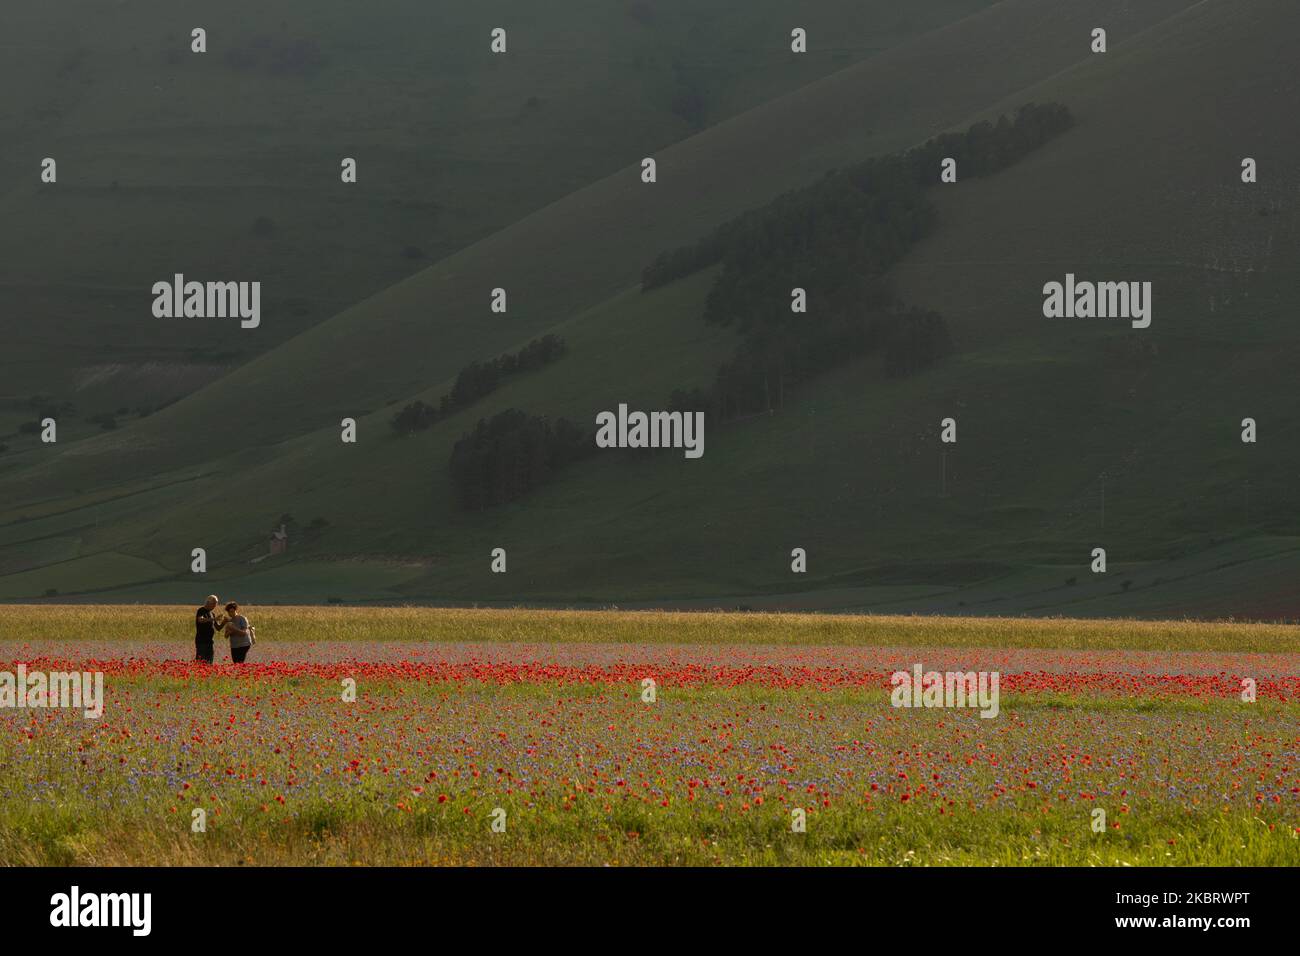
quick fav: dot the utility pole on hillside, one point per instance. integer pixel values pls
(1103, 499)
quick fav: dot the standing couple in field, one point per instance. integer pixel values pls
(208, 620)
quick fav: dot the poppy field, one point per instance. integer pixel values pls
(427, 737)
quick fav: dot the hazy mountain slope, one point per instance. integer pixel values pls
(226, 165)
(1146, 187)
(579, 251)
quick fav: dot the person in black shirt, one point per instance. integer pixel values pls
(205, 624)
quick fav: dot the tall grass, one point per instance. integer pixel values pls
(36, 623)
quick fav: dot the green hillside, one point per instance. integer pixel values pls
(227, 164)
(575, 253)
(1053, 414)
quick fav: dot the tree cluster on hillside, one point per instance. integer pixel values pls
(836, 240)
(43, 406)
(46, 406)
(105, 420)
(476, 380)
(988, 147)
(414, 417)
(983, 149)
(507, 456)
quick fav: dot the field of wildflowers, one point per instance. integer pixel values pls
(551, 738)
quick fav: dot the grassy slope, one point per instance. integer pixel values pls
(167, 158)
(852, 498)
(593, 244)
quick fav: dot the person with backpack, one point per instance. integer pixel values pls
(240, 633)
